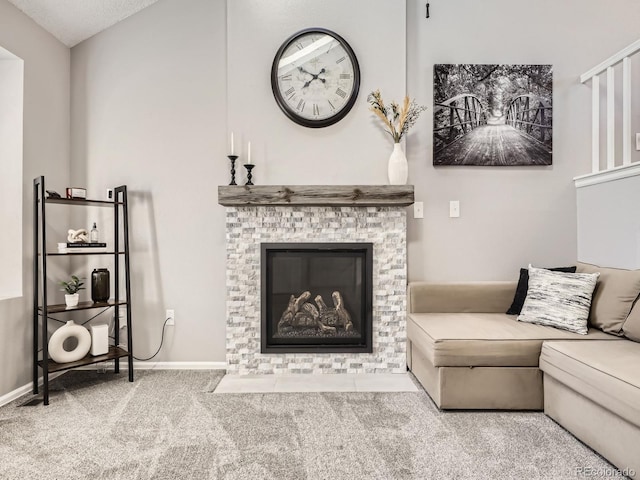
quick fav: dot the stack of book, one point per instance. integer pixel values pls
(85, 247)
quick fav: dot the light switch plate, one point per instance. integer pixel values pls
(418, 210)
(454, 208)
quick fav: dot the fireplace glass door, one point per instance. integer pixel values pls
(316, 297)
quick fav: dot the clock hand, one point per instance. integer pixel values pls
(315, 77)
(304, 71)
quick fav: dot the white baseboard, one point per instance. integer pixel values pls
(177, 365)
(18, 392)
(164, 365)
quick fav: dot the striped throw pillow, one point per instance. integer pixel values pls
(560, 300)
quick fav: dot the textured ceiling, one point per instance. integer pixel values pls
(72, 21)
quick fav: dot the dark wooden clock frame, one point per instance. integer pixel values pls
(325, 122)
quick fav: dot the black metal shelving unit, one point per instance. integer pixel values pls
(42, 309)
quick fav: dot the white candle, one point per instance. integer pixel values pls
(231, 143)
(249, 153)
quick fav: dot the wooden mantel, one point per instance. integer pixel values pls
(316, 195)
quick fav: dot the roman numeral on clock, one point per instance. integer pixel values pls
(301, 105)
(290, 92)
(287, 77)
(341, 93)
(341, 59)
(316, 109)
(345, 76)
(333, 109)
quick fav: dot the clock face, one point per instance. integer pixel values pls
(315, 77)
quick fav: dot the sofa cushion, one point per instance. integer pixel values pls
(560, 300)
(614, 295)
(483, 339)
(523, 287)
(631, 327)
(605, 372)
(485, 297)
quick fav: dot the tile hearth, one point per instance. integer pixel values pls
(289, 383)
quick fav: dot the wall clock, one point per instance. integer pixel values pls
(315, 77)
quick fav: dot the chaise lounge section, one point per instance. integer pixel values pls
(593, 390)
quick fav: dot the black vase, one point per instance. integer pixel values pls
(100, 285)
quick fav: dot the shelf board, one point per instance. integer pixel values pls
(54, 254)
(82, 201)
(60, 308)
(114, 352)
(316, 195)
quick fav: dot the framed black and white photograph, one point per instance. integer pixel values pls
(492, 115)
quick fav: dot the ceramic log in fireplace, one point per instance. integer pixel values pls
(316, 297)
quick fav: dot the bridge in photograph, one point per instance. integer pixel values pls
(467, 133)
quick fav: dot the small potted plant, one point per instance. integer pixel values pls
(72, 288)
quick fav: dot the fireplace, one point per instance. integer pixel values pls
(316, 297)
(299, 214)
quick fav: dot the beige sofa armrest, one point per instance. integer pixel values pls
(477, 297)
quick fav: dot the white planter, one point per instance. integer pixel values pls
(56, 343)
(398, 169)
(71, 300)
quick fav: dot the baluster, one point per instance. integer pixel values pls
(626, 111)
(611, 119)
(466, 111)
(542, 124)
(451, 127)
(595, 124)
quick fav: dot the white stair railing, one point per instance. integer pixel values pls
(623, 56)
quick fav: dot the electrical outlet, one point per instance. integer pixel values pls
(170, 317)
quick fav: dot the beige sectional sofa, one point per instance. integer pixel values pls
(469, 354)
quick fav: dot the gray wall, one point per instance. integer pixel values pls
(46, 152)
(149, 111)
(608, 223)
(353, 151)
(510, 216)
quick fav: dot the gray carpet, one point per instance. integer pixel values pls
(168, 425)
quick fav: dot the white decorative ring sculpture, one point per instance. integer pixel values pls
(56, 343)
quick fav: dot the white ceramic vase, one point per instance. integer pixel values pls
(71, 300)
(398, 168)
(57, 351)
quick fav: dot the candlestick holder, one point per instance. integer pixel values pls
(233, 159)
(249, 167)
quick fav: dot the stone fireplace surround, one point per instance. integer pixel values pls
(323, 214)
